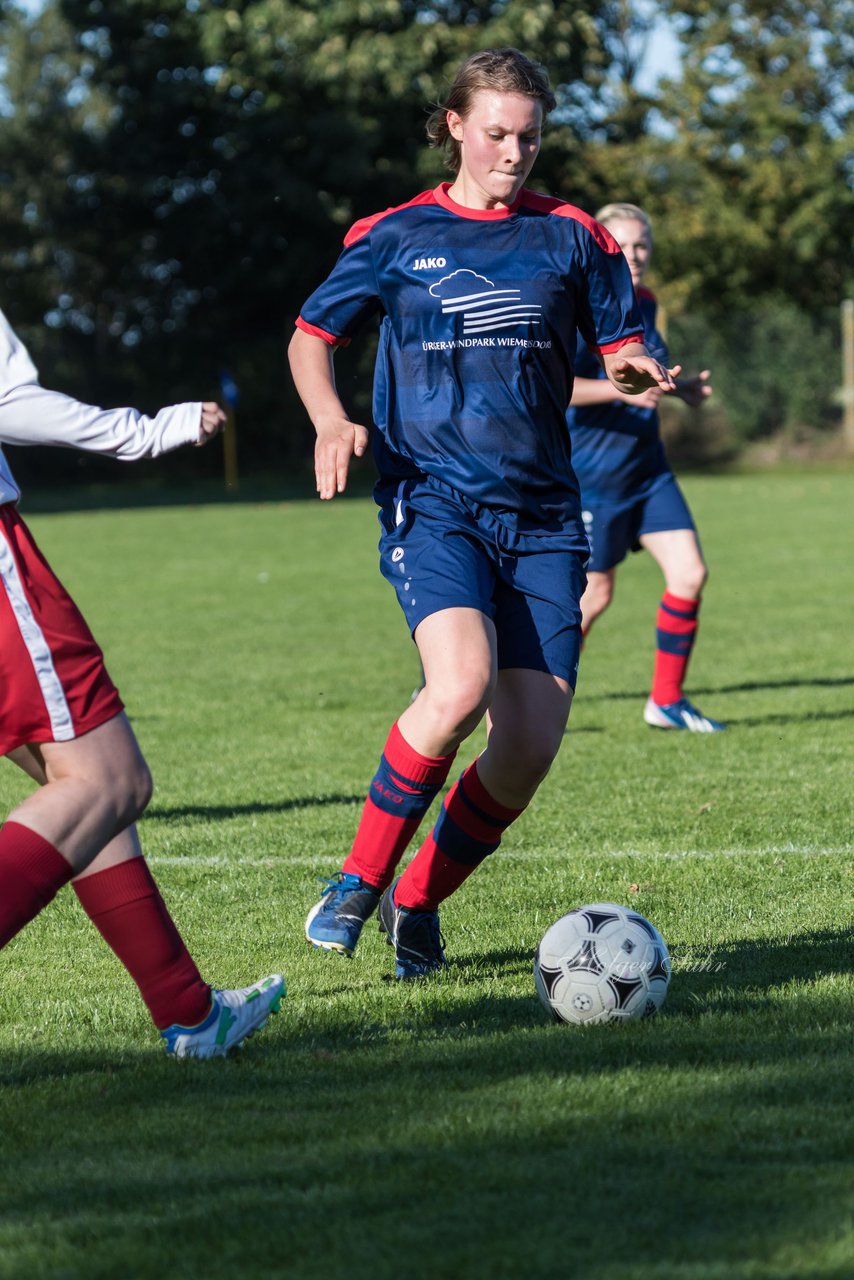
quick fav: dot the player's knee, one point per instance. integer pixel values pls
(461, 717)
(695, 578)
(535, 753)
(132, 792)
(460, 705)
(144, 787)
(530, 770)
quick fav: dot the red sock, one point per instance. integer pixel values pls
(125, 906)
(676, 630)
(467, 830)
(32, 872)
(402, 790)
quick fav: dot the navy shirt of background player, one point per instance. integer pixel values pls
(478, 317)
(617, 452)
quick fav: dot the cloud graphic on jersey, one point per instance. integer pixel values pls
(486, 307)
(464, 271)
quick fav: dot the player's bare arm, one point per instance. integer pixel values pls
(632, 370)
(590, 391)
(338, 439)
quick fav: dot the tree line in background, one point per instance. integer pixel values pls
(177, 175)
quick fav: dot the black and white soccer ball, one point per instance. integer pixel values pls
(602, 963)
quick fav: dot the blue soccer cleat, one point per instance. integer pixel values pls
(234, 1016)
(680, 715)
(415, 935)
(335, 923)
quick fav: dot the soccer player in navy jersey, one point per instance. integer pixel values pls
(479, 286)
(62, 722)
(630, 496)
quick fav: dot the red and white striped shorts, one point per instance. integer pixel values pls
(53, 682)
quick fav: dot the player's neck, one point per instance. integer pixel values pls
(470, 195)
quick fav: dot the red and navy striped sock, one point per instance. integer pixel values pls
(126, 908)
(32, 872)
(676, 631)
(467, 830)
(401, 792)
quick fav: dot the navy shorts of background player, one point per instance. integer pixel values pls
(627, 486)
(478, 314)
(615, 528)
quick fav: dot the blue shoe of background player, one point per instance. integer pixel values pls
(415, 935)
(680, 715)
(336, 921)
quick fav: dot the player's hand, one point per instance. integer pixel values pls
(212, 421)
(338, 441)
(633, 374)
(694, 390)
(647, 399)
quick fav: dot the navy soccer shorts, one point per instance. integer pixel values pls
(615, 528)
(439, 552)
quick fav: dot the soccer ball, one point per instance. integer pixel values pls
(602, 963)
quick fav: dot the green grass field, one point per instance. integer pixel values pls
(449, 1129)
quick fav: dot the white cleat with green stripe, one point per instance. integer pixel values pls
(234, 1016)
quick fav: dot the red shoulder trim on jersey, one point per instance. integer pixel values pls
(643, 292)
(443, 198)
(551, 204)
(608, 347)
(331, 338)
(536, 200)
(363, 226)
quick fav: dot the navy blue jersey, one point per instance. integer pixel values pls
(617, 452)
(478, 313)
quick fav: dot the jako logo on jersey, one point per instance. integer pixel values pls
(429, 264)
(484, 305)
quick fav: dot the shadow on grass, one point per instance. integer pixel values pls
(501, 961)
(749, 722)
(737, 978)
(744, 722)
(729, 1131)
(239, 1168)
(740, 975)
(218, 812)
(749, 686)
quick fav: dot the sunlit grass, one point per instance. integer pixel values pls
(448, 1128)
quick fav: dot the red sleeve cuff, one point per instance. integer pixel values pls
(607, 347)
(331, 338)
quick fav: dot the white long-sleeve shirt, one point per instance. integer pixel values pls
(30, 414)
